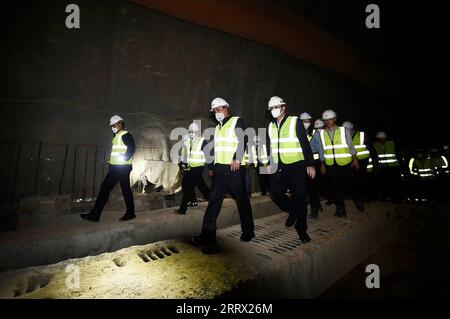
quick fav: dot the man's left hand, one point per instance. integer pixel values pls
(235, 165)
(355, 164)
(311, 170)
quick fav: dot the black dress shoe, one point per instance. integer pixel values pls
(179, 211)
(246, 237)
(340, 212)
(302, 234)
(329, 202)
(304, 237)
(290, 220)
(204, 239)
(126, 217)
(90, 217)
(360, 205)
(314, 213)
(211, 249)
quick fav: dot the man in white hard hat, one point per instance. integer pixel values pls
(365, 150)
(339, 158)
(294, 162)
(120, 166)
(229, 148)
(318, 124)
(192, 163)
(388, 173)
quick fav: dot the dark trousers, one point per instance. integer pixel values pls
(360, 184)
(116, 174)
(341, 182)
(247, 178)
(225, 180)
(313, 186)
(294, 177)
(388, 183)
(192, 178)
(263, 181)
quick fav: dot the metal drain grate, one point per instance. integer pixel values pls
(273, 236)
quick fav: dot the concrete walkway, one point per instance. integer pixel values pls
(74, 237)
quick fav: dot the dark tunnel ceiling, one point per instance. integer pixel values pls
(389, 56)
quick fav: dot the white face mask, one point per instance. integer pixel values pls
(114, 129)
(220, 117)
(276, 112)
(192, 135)
(306, 125)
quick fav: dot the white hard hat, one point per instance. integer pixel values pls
(275, 101)
(348, 125)
(328, 115)
(115, 119)
(381, 134)
(218, 101)
(194, 127)
(318, 124)
(305, 116)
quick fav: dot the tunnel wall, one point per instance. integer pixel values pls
(62, 85)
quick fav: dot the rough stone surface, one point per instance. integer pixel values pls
(274, 264)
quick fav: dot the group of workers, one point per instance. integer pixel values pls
(298, 161)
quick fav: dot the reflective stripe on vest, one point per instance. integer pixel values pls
(386, 154)
(262, 154)
(421, 168)
(361, 148)
(310, 137)
(195, 156)
(336, 150)
(253, 159)
(225, 142)
(370, 165)
(284, 142)
(118, 150)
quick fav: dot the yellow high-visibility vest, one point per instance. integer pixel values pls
(336, 150)
(360, 146)
(370, 166)
(253, 158)
(118, 150)
(421, 168)
(284, 142)
(225, 142)
(386, 154)
(262, 154)
(192, 151)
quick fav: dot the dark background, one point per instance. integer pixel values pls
(61, 85)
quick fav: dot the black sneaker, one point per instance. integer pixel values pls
(290, 220)
(126, 217)
(92, 217)
(246, 237)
